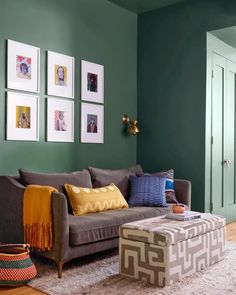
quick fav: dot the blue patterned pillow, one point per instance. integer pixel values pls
(147, 191)
(170, 189)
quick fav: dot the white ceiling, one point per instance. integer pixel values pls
(228, 35)
(140, 6)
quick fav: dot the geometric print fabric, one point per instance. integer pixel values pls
(163, 231)
(166, 264)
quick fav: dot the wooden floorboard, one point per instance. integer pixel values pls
(231, 236)
(19, 291)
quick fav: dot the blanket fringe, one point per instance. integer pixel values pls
(39, 236)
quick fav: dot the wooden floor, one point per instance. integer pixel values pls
(231, 236)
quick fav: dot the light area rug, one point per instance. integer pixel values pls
(98, 275)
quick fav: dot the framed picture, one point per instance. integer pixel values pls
(92, 82)
(60, 120)
(92, 123)
(60, 75)
(22, 116)
(23, 66)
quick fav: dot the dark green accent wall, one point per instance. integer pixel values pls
(97, 31)
(172, 87)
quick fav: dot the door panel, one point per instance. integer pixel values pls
(223, 134)
(218, 94)
(229, 142)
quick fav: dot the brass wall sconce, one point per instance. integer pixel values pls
(132, 127)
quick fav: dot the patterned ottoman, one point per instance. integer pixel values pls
(162, 251)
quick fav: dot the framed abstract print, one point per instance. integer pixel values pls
(23, 66)
(92, 82)
(60, 120)
(92, 123)
(22, 116)
(60, 75)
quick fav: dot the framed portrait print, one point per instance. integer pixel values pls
(60, 75)
(22, 116)
(92, 123)
(23, 66)
(92, 82)
(60, 120)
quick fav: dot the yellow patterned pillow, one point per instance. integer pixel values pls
(86, 200)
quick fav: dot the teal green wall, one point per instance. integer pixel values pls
(97, 31)
(172, 87)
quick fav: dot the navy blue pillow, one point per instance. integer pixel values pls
(147, 191)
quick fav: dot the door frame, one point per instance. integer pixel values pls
(214, 45)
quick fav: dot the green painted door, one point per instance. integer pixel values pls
(223, 196)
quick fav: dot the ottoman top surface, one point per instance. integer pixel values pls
(163, 231)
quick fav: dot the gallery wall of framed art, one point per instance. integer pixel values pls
(23, 68)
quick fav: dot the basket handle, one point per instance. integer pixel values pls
(24, 246)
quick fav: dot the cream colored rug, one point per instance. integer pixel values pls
(98, 275)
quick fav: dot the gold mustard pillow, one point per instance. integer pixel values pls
(86, 200)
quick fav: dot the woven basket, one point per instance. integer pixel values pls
(16, 267)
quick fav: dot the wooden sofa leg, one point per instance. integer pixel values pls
(59, 268)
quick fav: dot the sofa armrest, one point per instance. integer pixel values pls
(183, 191)
(11, 215)
(11, 210)
(60, 226)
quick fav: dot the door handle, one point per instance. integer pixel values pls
(226, 163)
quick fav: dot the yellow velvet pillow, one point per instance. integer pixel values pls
(86, 200)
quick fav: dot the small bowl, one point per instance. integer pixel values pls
(178, 208)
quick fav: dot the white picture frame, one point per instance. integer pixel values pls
(60, 120)
(60, 74)
(22, 116)
(92, 123)
(92, 82)
(23, 66)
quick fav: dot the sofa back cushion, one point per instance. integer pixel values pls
(84, 200)
(120, 177)
(57, 180)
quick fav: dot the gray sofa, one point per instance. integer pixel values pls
(76, 236)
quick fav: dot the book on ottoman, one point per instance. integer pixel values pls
(187, 215)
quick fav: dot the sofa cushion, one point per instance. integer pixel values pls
(120, 177)
(57, 180)
(147, 191)
(94, 227)
(84, 200)
(170, 189)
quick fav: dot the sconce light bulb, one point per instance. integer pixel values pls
(125, 119)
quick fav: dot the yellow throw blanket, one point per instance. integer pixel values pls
(37, 216)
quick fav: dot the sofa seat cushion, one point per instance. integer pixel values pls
(104, 225)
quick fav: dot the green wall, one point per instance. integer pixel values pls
(96, 31)
(172, 87)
